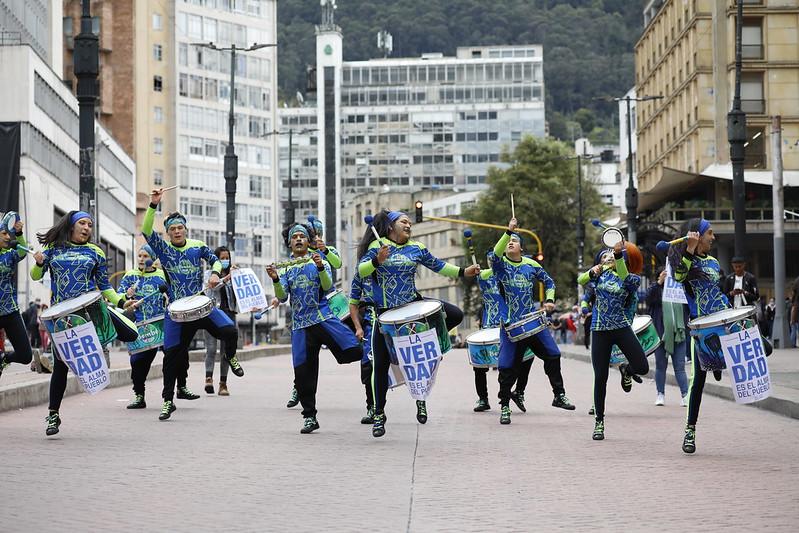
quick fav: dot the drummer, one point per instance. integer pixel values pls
(77, 266)
(362, 313)
(144, 288)
(392, 263)
(10, 319)
(181, 260)
(313, 324)
(516, 276)
(614, 309)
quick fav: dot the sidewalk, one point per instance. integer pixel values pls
(19, 387)
(783, 367)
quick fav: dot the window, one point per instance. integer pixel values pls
(257, 245)
(158, 52)
(158, 114)
(257, 186)
(158, 145)
(752, 93)
(68, 31)
(195, 146)
(96, 25)
(158, 84)
(158, 22)
(755, 148)
(158, 177)
(752, 39)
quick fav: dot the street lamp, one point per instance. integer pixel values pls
(86, 65)
(231, 168)
(736, 135)
(289, 215)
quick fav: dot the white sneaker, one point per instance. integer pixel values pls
(684, 401)
(661, 399)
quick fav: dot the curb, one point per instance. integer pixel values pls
(23, 395)
(774, 404)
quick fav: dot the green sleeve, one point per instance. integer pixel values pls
(485, 274)
(584, 278)
(549, 295)
(217, 267)
(499, 248)
(325, 279)
(333, 258)
(450, 270)
(112, 296)
(280, 294)
(37, 272)
(21, 240)
(681, 272)
(147, 223)
(621, 268)
(365, 269)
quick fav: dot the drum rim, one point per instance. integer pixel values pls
(55, 310)
(207, 301)
(649, 322)
(412, 318)
(333, 294)
(704, 322)
(150, 321)
(611, 230)
(526, 318)
(483, 331)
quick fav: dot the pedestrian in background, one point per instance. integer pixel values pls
(225, 300)
(740, 286)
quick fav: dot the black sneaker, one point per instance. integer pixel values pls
(167, 409)
(504, 417)
(482, 405)
(562, 402)
(138, 402)
(370, 416)
(518, 399)
(626, 380)
(379, 427)
(689, 440)
(235, 366)
(717, 375)
(185, 394)
(599, 430)
(421, 411)
(53, 422)
(310, 425)
(294, 399)
(209, 385)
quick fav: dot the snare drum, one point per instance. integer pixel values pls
(647, 335)
(190, 308)
(339, 304)
(707, 331)
(151, 335)
(483, 348)
(527, 326)
(412, 318)
(78, 311)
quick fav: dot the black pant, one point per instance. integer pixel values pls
(520, 371)
(382, 361)
(140, 364)
(176, 358)
(306, 374)
(366, 380)
(16, 333)
(603, 342)
(481, 379)
(697, 385)
(587, 333)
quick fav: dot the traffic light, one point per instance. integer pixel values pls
(418, 211)
(539, 257)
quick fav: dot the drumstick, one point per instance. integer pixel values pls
(598, 224)
(512, 207)
(169, 188)
(369, 219)
(468, 234)
(27, 249)
(663, 246)
(161, 290)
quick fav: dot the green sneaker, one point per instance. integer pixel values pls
(370, 416)
(599, 430)
(689, 441)
(626, 380)
(504, 417)
(294, 399)
(53, 422)
(421, 411)
(167, 409)
(310, 425)
(235, 366)
(185, 394)
(562, 401)
(518, 399)
(379, 427)
(138, 402)
(482, 405)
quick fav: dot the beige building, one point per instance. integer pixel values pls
(686, 53)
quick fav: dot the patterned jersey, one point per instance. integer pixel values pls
(75, 269)
(361, 290)
(394, 280)
(307, 286)
(494, 307)
(8, 266)
(147, 284)
(331, 256)
(616, 298)
(589, 297)
(183, 266)
(700, 276)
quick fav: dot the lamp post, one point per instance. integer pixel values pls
(86, 65)
(231, 166)
(736, 135)
(289, 215)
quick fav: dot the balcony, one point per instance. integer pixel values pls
(724, 214)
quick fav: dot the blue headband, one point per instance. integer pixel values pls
(79, 215)
(394, 215)
(146, 248)
(704, 225)
(299, 228)
(178, 219)
(318, 226)
(516, 236)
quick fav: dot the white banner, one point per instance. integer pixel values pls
(746, 365)
(250, 294)
(80, 349)
(418, 356)
(672, 289)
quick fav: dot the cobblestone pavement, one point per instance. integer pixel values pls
(240, 463)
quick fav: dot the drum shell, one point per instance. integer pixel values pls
(526, 327)
(339, 304)
(647, 336)
(95, 312)
(151, 335)
(435, 321)
(201, 309)
(483, 354)
(707, 345)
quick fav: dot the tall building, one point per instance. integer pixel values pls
(36, 23)
(601, 167)
(686, 54)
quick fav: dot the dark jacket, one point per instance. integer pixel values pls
(654, 305)
(751, 294)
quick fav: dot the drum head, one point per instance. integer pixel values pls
(333, 294)
(410, 312)
(611, 237)
(484, 336)
(189, 303)
(641, 322)
(71, 305)
(725, 316)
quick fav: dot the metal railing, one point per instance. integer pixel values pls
(724, 214)
(10, 38)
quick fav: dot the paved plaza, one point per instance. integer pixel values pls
(240, 463)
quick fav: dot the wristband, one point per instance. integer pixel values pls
(461, 272)
(320, 268)
(375, 262)
(154, 206)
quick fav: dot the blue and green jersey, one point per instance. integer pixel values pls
(494, 307)
(700, 275)
(307, 286)
(75, 269)
(147, 284)
(9, 258)
(361, 290)
(331, 256)
(394, 280)
(183, 266)
(616, 297)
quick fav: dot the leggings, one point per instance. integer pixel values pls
(58, 380)
(366, 381)
(210, 353)
(18, 335)
(696, 386)
(601, 346)
(140, 366)
(481, 381)
(382, 361)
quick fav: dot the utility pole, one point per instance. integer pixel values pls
(86, 65)
(289, 214)
(736, 134)
(779, 334)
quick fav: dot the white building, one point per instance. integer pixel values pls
(601, 167)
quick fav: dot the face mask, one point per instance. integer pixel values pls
(225, 263)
